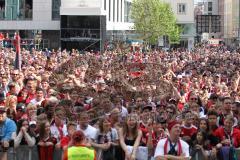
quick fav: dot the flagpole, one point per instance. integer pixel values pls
(18, 50)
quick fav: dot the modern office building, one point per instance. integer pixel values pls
(35, 20)
(209, 21)
(231, 14)
(89, 24)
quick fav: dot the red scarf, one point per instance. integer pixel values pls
(179, 152)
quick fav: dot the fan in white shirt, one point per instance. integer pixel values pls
(39, 97)
(89, 131)
(172, 147)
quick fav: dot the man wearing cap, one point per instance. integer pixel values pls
(7, 128)
(21, 111)
(173, 147)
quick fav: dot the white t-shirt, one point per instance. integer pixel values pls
(35, 102)
(124, 112)
(90, 132)
(55, 131)
(160, 148)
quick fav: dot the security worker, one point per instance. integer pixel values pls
(78, 149)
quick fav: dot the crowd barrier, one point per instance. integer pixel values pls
(31, 153)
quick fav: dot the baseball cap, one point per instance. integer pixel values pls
(32, 123)
(20, 107)
(147, 107)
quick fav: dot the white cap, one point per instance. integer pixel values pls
(32, 122)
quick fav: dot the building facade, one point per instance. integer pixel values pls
(184, 12)
(209, 20)
(33, 19)
(231, 14)
(89, 24)
(85, 24)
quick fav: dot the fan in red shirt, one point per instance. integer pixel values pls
(46, 142)
(228, 135)
(64, 142)
(188, 129)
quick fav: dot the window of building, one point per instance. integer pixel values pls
(121, 11)
(208, 23)
(114, 10)
(117, 10)
(25, 9)
(209, 6)
(127, 9)
(109, 11)
(2, 9)
(181, 8)
(16, 10)
(105, 5)
(56, 9)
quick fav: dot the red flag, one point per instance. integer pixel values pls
(1, 36)
(17, 45)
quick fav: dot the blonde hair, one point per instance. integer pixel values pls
(8, 100)
(31, 106)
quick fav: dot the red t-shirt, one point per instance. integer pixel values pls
(30, 97)
(188, 131)
(46, 152)
(144, 133)
(234, 135)
(65, 141)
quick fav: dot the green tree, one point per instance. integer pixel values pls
(154, 18)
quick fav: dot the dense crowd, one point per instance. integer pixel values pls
(115, 106)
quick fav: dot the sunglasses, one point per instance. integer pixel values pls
(193, 99)
(169, 112)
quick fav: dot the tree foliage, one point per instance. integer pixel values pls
(154, 18)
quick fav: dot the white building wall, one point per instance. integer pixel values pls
(96, 7)
(188, 17)
(42, 19)
(214, 7)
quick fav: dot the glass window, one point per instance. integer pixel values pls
(2, 9)
(121, 12)
(209, 6)
(56, 9)
(117, 10)
(16, 9)
(109, 12)
(105, 5)
(127, 9)
(25, 9)
(113, 10)
(181, 8)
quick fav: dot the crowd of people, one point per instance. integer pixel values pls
(121, 106)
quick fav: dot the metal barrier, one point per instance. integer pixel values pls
(29, 153)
